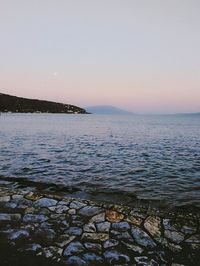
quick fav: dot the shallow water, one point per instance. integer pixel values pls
(152, 157)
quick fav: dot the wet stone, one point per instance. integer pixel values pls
(10, 205)
(95, 236)
(153, 226)
(121, 226)
(76, 205)
(34, 218)
(113, 216)
(134, 220)
(90, 227)
(110, 243)
(75, 261)
(114, 257)
(94, 247)
(45, 202)
(92, 258)
(174, 236)
(142, 238)
(89, 211)
(33, 196)
(72, 211)
(132, 247)
(73, 248)
(121, 235)
(32, 247)
(64, 239)
(5, 199)
(18, 234)
(98, 218)
(76, 231)
(103, 227)
(59, 209)
(6, 217)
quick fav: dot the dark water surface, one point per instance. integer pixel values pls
(152, 157)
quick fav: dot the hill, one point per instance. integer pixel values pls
(9, 103)
(106, 109)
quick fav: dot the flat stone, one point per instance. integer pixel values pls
(5, 199)
(10, 205)
(132, 247)
(153, 226)
(17, 196)
(113, 216)
(98, 218)
(123, 235)
(97, 248)
(103, 227)
(59, 209)
(89, 211)
(64, 239)
(134, 220)
(76, 231)
(93, 258)
(112, 257)
(75, 260)
(90, 227)
(142, 238)
(34, 218)
(72, 211)
(73, 248)
(121, 226)
(7, 217)
(33, 196)
(23, 203)
(76, 205)
(45, 202)
(174, 236)
(95, 236)
(110, 243)
(18, 234)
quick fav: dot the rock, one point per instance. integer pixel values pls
(145, 261)
(134, 220)
(98, 218)
(59, 209)
(64, 239)
(10, 205)
(5, 199)
(103, 227)
(89, 211)
(76, 261)
(45, 202)
(33, 196)
(6, 217)
(72, 211)
(77, 220)
(93, 259)
(32, 247)
(195, 239)
(90, 227)
(121, 226)
(76, 231)
(97, 248)
(113, 216)
(95, 236)
(112, 257)
(121, 235)
(23, 203)
(18, 234)
(153, 226)
(174, 236)
(132, 247)
(142, 238)
(73, 248)
(188, 229)
(76, 205)
(34, 218)
(110, 243)
(52, 251)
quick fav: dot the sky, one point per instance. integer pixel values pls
(139, 55)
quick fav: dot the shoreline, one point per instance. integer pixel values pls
(74, 231)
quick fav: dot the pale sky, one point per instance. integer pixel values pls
(140, 55)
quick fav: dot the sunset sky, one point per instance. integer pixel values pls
(139, 55)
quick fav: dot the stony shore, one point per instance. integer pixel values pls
(70, 231)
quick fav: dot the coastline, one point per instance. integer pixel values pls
(74, 231)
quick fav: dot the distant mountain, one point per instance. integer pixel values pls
(106, 109)
(15, 104)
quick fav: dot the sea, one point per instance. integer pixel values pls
(153, 158)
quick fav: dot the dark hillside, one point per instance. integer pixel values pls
(10, 103)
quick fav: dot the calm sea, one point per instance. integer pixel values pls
(151, 157)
